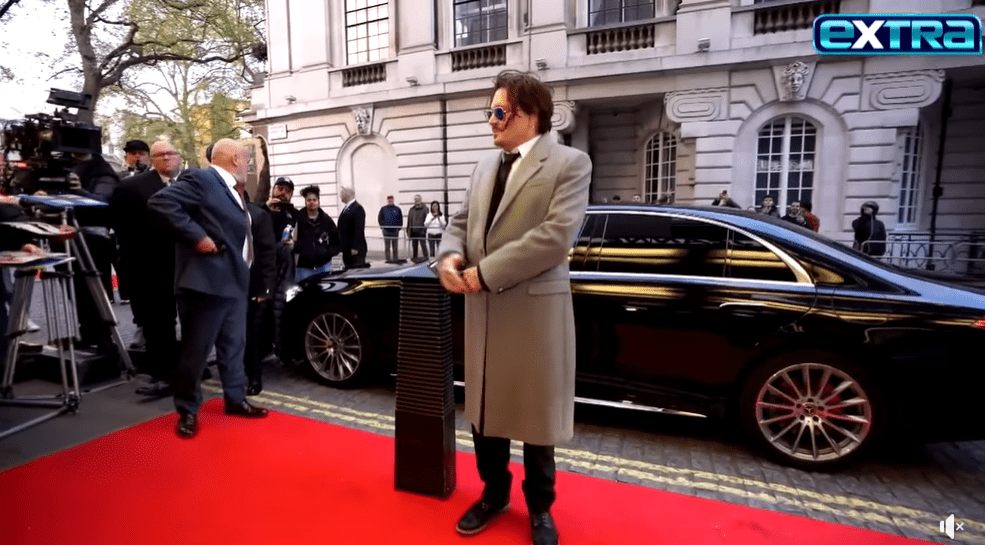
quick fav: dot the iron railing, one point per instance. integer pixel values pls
(951, 252)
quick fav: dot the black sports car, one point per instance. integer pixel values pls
(819, 351)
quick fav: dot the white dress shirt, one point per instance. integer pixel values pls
(523, 150)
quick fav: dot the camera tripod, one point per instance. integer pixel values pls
(62, 325)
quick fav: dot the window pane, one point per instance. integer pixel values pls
(662, 245)
(747, 258)
(480, 21)
(910, 177)
(660, 168)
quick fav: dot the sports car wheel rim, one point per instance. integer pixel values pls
(813, 412)
(333, 346)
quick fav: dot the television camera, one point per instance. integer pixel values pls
(37, 150)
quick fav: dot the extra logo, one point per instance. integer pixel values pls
(857, 34)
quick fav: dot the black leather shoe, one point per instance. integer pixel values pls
(254, 387)
(245, 409)
(543, 531)
(478, 517)
(188, 425)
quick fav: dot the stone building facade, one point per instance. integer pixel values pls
(674, 100)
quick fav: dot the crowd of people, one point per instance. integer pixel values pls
(869, 233)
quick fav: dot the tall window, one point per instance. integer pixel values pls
(910, 176)
(367, 31)
(606, 12)
(480, 21)
(785, 161)
(660, 167)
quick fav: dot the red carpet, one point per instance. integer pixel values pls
(294, 481)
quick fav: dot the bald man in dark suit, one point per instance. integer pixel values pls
(206, 209)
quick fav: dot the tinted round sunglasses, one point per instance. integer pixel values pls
(499, 113)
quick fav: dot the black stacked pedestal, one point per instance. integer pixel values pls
(425, 406)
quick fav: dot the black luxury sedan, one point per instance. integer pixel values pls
(816, 350)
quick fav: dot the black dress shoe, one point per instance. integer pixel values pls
(188, 425)
(543, 531)
(254, 387)
(245, 409)
(477, 517)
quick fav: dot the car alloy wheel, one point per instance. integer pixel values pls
(334, 346)
(810, 415)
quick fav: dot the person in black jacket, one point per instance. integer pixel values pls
(870, 233)
(262, 273)
(416, 230)
(147, 253)
(725, 200)
(352, 224)
(94, 178)
(284, 223)
(282, 213)
(318, 239)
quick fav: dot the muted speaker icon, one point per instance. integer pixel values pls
(948, 526)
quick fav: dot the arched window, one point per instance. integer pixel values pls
(785, 161)
(910, 176)
(660, 168)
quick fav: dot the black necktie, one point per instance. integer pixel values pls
(506, 161)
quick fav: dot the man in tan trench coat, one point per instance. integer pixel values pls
(507, 251)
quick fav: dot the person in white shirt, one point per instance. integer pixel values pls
(435, 224)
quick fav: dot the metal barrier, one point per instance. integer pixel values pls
(954, 252)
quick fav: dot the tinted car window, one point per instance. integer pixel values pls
(749, 259)
(590, 237)
(657, 244)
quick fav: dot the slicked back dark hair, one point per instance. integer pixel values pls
(310, 189)
(526, 92)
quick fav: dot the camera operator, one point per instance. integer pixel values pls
(870, 234)
(94, 178)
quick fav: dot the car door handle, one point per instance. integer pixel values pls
(631, 308)
(751, 306)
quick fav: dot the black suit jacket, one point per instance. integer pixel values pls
(264, 267)
(146, 245)
(352, 235)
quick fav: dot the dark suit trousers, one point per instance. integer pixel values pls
(154, 308)
(207, 321)
(492, 459)
(258, 344)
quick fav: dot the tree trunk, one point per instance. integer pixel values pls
(92, 78)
